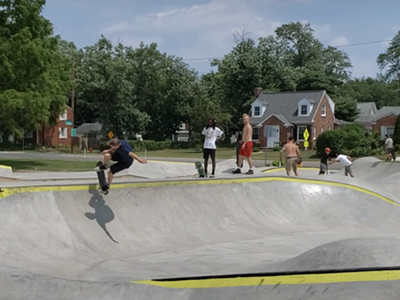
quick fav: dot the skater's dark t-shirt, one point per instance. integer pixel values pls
(324, 158)
(124, 151)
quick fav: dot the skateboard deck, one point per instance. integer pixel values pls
(200, 169)
(102, 179)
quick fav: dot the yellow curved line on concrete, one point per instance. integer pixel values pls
(5, 167)
(275, 280)
(283, 169)
(85, 187)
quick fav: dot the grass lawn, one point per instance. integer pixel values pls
(30, 165)
(222, 153)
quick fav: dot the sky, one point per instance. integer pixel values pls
(200, 30)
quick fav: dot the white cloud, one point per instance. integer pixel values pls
(339, 41)
(203, 30)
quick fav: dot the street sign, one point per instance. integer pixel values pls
(305, 144)
(73, 132)
(306, 135)
(110, 135)
(68, 122)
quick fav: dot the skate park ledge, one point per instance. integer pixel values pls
(11, 189)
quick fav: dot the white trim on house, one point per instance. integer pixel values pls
(276, 116)
(63, 132)
(319, 104)
(373, 121)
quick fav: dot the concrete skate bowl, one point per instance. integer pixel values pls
(71, 243)
(373, 169)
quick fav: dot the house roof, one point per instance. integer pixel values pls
(285, 105)
(386, 111)
(87, 127)
(364, 111)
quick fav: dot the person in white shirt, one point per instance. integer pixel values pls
(390, 155)
(346, 161)
(212, 133)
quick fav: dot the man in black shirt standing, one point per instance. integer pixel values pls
(324, 161)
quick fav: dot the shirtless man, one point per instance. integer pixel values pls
(246, 146)
(292, 156)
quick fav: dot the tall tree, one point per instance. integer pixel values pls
(35, 75)
(390, 59)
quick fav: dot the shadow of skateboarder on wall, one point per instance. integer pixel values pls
(103, 214)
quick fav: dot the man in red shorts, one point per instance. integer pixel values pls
(246, 147)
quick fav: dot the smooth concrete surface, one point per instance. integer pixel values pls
(81, 245)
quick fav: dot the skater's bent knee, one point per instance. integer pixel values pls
(107, 155)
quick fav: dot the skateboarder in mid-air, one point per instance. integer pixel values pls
(121, 152)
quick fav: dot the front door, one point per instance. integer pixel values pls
(272, 134)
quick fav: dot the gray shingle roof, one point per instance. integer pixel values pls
(87, 127)
(386, 110)
(285, 105)
(365, 109)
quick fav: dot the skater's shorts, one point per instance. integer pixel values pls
(248, 149)
(209, 153)
(322, 168)
(348, 170)
(291, 163)
(121, 164)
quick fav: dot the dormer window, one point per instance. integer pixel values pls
(257, 111)
(304, 110)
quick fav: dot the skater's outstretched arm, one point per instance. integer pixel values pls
(134, 156)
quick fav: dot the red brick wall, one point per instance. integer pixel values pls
(283, 131)
(320, 121)
(385, 121)
(51, 134)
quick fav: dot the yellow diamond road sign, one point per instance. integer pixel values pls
(110, 134)
(306, 135)
(305, 144)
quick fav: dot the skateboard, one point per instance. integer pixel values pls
(102, 179)
(300, 162)
(200, 169)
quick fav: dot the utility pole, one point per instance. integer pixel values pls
(73, 102)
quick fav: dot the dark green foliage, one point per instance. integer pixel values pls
(396, 134)
(352, 139)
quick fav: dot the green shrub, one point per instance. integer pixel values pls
(276, 149)
(352, 139)
(276, 163)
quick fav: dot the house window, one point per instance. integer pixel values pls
(303, 110)
(329, 128)
(63, 133)
(257, 111)
(390, 130)
(323, 110)
(255, 134)
(300, 132)
(64, 116)
(314, 132)
(322, 129)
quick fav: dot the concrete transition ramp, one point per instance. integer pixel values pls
(72, 243)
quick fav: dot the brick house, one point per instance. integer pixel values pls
(58, 135)
(366, 112)
(276, 116)
(384, 120)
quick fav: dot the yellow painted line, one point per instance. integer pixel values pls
(283, 169)
(275, 280)
(85, 187)
(5, 167)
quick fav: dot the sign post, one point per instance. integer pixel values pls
(110, 135)
(306, 135)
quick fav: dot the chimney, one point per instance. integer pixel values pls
(257, 92)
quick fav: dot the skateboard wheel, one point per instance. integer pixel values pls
(1, 190)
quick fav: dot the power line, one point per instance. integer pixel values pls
(340, 46)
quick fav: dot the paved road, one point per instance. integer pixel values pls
(96, 157)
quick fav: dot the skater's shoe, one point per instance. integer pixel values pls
(212, 176)
(237, 171)
(102, 167)
(249, 172)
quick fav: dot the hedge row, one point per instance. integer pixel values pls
(154, 146)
